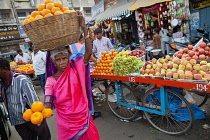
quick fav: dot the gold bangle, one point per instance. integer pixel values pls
(86, 37)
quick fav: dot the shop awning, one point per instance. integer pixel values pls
(115, 11)
(144, 3)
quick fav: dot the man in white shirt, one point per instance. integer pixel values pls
(39, 64)
(164, 39)
(101, 44)
(24, 57)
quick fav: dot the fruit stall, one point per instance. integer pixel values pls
(167, 101)
(25, 69)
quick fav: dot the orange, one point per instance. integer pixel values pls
(45, 12)
(28, 16)
(115, 53)
(41, 7)
(109, 61)
(58, 4)
(31, 19)
(47, 112)
(50, 6)
(37, 106)
(48, 15)
(110, 64)
(38, 17)
(109, 58)
(58, 12)
(54, 9)
(104, 53)
(37, 118)
(35, 13)
(48, 1)
(27, 115)
(65, 8)
(68, 11)
(25, 21)
(104, 58)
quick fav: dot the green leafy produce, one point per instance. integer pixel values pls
(126, 65)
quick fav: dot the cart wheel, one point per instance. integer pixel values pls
(126, 96)
(5, 131)
(177, 119)
(199, 97)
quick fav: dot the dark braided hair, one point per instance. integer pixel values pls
(4, 64)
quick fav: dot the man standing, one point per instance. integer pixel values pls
(156, 39)
(164, 39)
(101, 44)
(39, 64)
(22, 58)
(18, 94)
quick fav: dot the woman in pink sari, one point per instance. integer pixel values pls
(66, 90)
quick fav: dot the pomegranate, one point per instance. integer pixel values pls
(190, 47)
(201, 51)
(203, 45)
(202, 57)
(195, 57)
(191, 53)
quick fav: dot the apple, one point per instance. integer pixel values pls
(152, 71)
(194, 72)
(175, 66)
(201, 51)
(207, 76)
(204, 68)
(154, 66)
(147, 71)
(206, 49)
(168, 57)
(192, 61)
(208, 64)
(181, 76)
(185, 50)
(188, 73)
(170, 65)
(162, 71)
(162, 60)
(175, 75)
(159, 65)
(203, 62)
(197, 77)
(179, 55)
(174, 70)
(202, 72)
(196, 67)
(181, 67)
(164, 66)
(157, 74)
(154, 61)
(177, 61)
(188, 58)
(150, 74)
(145, 74)
(206, 52)
(163, 74)
(180, 72)
(202, 45)
(189, 77)
(157, 70)
(189, 67)
(184, 62)
(169, 74)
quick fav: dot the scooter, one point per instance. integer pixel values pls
(201, 36)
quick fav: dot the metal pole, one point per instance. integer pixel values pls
(14, 12)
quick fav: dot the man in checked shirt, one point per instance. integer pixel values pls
(18, 94)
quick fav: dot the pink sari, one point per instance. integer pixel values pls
(71, 103)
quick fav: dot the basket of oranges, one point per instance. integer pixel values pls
(52, 26)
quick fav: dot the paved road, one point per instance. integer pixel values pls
(111, 128)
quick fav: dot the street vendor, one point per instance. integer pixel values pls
(22, 58)
(101, 44)
(68, 89)
(18, 94)
(156, 39)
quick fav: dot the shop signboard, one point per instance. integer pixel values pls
(9, 32)
(194, 22)
(21, 31)
(198, 4)
(97, 9)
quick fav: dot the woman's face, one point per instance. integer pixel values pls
(61, 61)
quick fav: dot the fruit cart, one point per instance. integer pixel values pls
(166, 109)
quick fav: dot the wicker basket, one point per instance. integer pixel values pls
(54, 32)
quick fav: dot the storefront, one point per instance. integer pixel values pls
(161, 14)
(118, 23)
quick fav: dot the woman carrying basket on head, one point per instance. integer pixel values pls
(66, 90)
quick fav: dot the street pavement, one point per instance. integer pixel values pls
(112, 128)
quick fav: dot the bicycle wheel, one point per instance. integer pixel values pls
(177, 120)
(5, 131)
(199, 97)
(125, 96)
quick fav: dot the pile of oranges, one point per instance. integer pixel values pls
(37, 113)
(27, 67)
(105, 63)
(49, 8)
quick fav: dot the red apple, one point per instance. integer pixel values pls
(185, 50)
(202, 56)
(191, 53)
(201, 51)
(203, 45)
(190, 47)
